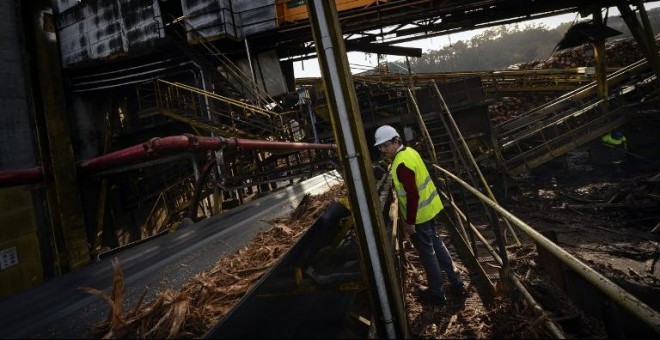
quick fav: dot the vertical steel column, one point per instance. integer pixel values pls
(599, 54)
(376, 252)
(64, 201)
(643, 33)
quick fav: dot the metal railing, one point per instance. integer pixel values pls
(617, 295)
(220, 114)
(569, 121)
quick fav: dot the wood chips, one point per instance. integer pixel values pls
(203, 300)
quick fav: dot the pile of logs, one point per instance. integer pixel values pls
(618, 53)
(507, 108)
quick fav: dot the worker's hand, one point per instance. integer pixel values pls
(409, 228)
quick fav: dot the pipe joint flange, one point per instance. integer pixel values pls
(192, 140)
(149, 146)
(223, 142)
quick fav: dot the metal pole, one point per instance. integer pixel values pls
(599, 55)
(624, 299)
(376, 251)
(252, 73)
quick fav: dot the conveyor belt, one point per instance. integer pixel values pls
(285, 307)
(59, 309)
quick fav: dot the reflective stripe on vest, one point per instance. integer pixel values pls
(429, 201)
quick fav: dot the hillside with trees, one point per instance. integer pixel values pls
(501, 47)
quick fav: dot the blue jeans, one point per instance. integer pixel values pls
(434, 257)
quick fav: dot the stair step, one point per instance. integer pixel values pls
(493, 277)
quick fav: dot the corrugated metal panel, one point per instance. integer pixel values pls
(103, 28)
(210, 18)
(254, 16)
(141, 20)
(268, 72)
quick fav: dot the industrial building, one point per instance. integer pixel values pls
(164, 132)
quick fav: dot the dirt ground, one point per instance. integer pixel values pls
(603, 220)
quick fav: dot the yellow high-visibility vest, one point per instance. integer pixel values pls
(429, 200)
(608, 139)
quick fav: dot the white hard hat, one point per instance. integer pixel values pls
(384, 134)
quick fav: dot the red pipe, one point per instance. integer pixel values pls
(157, 147)
(154, 148)
(20, 176)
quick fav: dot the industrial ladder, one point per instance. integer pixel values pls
(463, 210)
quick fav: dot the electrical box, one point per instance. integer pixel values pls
(20, 256)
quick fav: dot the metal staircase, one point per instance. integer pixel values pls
(211, 112)
(231, 80)
(571, 120)
(466, 213)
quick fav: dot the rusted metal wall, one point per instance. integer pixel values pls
(254, 16)
(234, 19)
(210, 18)
(105, 28)
(100, 29)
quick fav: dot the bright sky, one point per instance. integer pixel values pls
(360, 61)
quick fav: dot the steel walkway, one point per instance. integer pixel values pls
(571, 120)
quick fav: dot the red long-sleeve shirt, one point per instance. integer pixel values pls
(407, 178)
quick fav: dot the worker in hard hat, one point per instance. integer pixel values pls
(419, 205)
(617, 147)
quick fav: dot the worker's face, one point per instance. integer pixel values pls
(388, 149)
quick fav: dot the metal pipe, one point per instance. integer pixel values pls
(9, 178)
(624, 299)
(158, 147)
(265, 144)
(131, 75)
(252, 73)
(123, 69)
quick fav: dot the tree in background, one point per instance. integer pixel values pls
(503, 46)
(493, 49)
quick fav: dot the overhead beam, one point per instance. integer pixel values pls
(383, 49)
